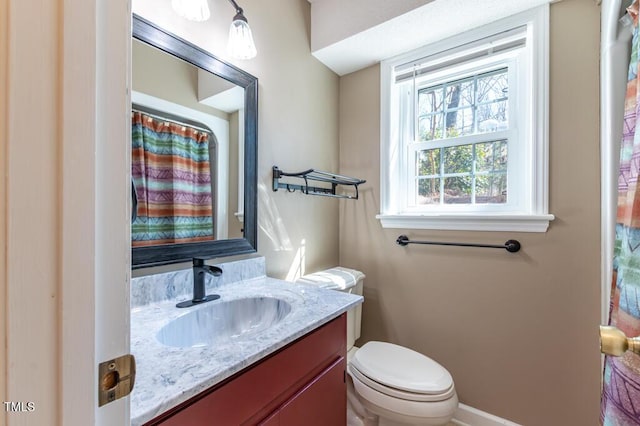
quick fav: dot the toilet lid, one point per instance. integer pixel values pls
(401, 368)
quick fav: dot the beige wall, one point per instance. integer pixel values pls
(31, 209)
(297, 123)
(63, 210)
(3, 197)
(518, 332)
(298, 129)
(161, 75)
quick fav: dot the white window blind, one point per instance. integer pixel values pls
(486, 47)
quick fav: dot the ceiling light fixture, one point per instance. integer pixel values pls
(193, 10)
(240, 45)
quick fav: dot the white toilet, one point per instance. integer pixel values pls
(390, 385)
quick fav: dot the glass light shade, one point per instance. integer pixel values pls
(241, 44)
(193, 10)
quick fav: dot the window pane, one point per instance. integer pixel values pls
(459, 94)
(500, 156)
(493, 87)
(492, 117)
(477, 104)
(491, 189)
(458, 159)
(428, 162)
(457, 190)
(430, 127)
(491, 156)
(459, 122)
(430, 100)
(429, 191)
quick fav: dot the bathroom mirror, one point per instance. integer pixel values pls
(194, 151)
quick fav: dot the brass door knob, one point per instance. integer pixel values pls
(614, 342)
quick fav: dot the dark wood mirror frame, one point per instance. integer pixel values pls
(142, 257)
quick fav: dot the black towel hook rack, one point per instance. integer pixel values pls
(317, 177)
(512, 246)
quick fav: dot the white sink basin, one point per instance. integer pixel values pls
(220, 321)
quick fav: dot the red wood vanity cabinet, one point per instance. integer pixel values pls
(301, 384)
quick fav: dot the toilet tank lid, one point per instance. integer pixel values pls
(337, 278)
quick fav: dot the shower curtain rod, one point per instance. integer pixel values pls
(171, 118)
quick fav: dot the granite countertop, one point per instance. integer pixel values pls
(167, 376)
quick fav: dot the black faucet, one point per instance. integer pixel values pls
(199, 295)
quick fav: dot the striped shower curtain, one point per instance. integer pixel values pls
(172, 179)
(621, 384)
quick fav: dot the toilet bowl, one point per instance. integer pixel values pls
(389, 385)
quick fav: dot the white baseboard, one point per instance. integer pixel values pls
(469, 416)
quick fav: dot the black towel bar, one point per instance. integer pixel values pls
(511, 246)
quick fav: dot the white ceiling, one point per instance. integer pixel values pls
(425, 24)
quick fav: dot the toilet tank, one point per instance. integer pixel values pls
(345, 280)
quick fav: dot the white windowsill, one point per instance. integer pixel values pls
(467, 222)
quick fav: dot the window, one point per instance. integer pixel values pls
(464, 137)
(449, 168)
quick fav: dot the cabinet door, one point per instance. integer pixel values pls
(272, 420)
(267, 385)
(322, 402)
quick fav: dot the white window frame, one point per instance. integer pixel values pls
(527, 208)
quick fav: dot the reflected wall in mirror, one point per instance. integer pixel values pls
(194, 121)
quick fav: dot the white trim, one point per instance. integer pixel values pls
(111, 56)
(388, 178)
(79, 216)
(540, 118)
(469, 416)
(532, 212)
(240, 213)
(470, 139)
(468, 222)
